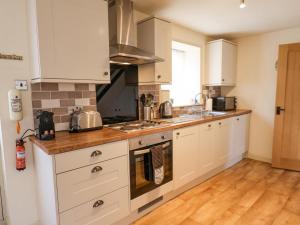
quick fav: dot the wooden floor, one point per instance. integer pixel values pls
(251, 192)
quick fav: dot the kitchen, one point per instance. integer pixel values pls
(51, 198)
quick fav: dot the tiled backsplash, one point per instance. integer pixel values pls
(61, 98)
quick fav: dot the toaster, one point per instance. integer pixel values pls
(85, 121)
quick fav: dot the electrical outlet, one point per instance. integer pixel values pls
(21, 85)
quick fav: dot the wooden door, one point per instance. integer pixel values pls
(286, 144)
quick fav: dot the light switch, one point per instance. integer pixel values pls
(21, 85)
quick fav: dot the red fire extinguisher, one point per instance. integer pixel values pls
(20, 155)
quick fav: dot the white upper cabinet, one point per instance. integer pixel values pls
(69, 40)
(155, 36)
(221, 62)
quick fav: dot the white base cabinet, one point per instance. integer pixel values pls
(110, 208)
(95, 191)
(185, 155)
(240, 135)
(202, 148)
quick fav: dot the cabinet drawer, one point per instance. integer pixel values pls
(111, 208)
(87, 156)
(82, 185)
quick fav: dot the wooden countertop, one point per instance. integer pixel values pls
(65, 141)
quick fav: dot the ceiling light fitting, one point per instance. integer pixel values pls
(243, 4)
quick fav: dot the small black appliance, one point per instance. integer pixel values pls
(224, 103)
(45, 125)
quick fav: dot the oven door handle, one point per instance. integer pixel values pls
(141, 152)
(144, 151)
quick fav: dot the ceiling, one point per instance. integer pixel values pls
(224, 18)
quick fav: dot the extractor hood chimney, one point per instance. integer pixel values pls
(121, 36)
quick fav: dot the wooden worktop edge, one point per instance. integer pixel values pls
(66, 142)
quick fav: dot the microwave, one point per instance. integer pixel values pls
(224, 103)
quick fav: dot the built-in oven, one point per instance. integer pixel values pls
(141, 163)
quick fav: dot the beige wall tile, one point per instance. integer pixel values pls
(67, 102)
(50, 103)
(66, 87)
(82, 102)
(49, 86)
(40, 95)
(81, 87)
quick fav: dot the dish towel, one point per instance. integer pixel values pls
(158, 164)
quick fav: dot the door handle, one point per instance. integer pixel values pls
(279, 109)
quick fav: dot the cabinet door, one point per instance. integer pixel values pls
(229, 61)
(154, 36)
(206, 150)
(106, 209)
(78, 35)
(213, 73)
(163, 49)
(240, 134)
(185, 155)
(222, 141)
(221, 57)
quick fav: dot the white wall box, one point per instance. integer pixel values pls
(155, 36)
(94, 193)
(221, 63)
(69, 41)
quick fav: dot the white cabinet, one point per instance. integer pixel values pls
(206, 147)
(96, 191)
(185, 155)
(221, 63)
(105, 210)
(221, 141)
(69, 41)
(154, 36)
(240, 135)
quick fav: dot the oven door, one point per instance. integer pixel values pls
(141, 169)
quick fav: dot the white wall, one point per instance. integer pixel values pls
(19, 186)
(256, 85)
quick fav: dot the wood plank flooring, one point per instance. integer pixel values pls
(249, 193)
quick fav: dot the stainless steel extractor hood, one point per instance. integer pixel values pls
(121, 36)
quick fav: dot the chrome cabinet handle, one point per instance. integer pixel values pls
(96, 169)
(96, 153)
(238, 119)
(98, 203)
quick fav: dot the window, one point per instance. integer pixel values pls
(185, 74)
